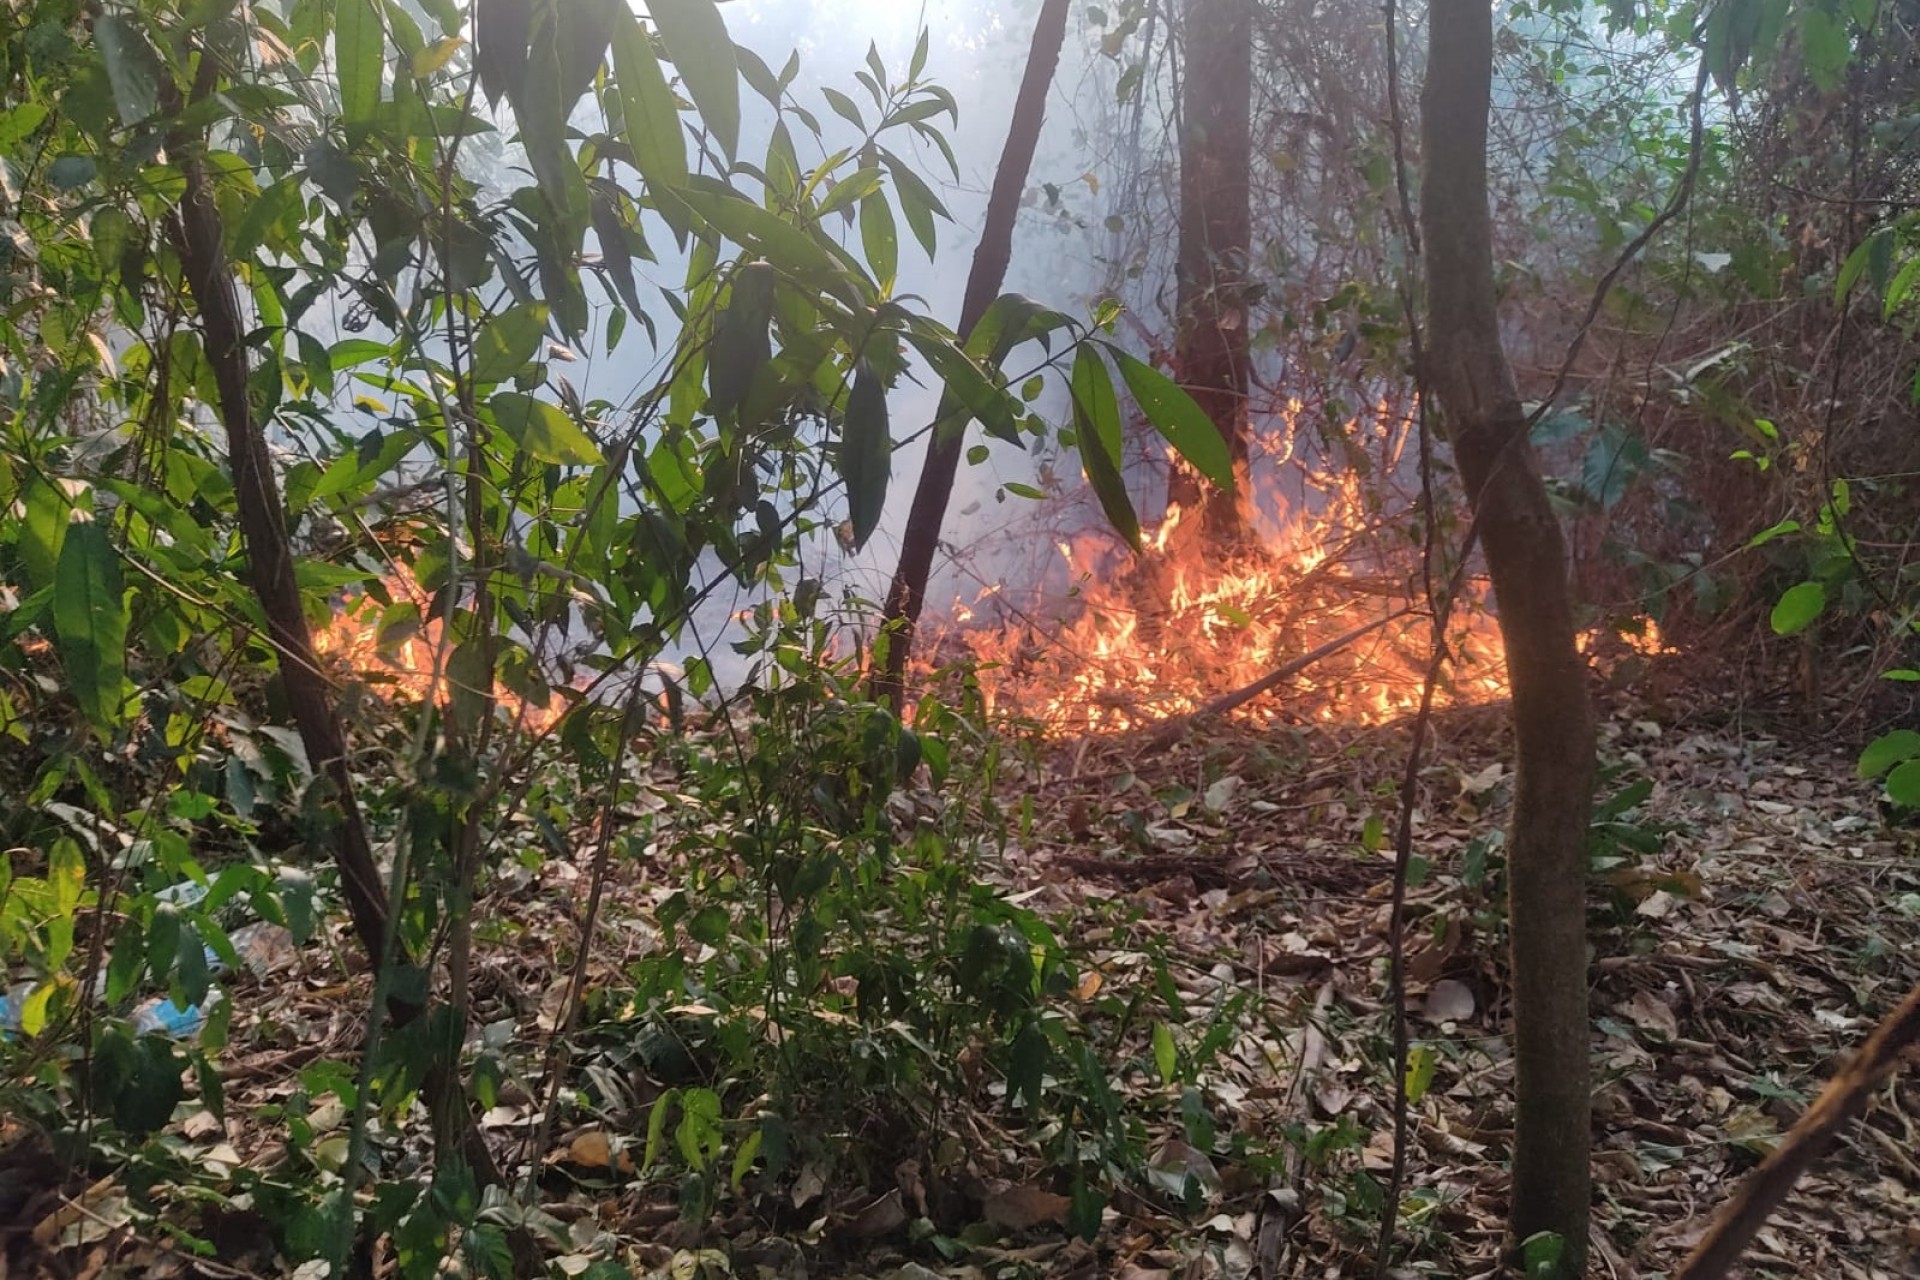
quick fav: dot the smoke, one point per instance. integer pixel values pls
(978, 53)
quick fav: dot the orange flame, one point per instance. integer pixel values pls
(402, 660)
(1184, 623)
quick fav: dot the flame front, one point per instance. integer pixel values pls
(1134, 639)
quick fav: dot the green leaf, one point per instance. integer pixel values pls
(652, 117)
(780, 242)
(745, 1155)
(359, 42)
(741, 347)
(969, 393)
(43, 528)
(1027, 1061)
(1888, 750)
(71, 171)
(696, 37)
(1903, 785)
(1175, 416)
(1825, 45)
(19, 122)
(1900, 286)
(1856, 265)
(1799, 608)
(1166, 1058)
(1765, 536)
(33, 1010)
(1012, 319)
(866, 453)
(470, 677)
(1096, 424)
(543, 430)
(657, 1127)
(542, 111)
(90, 620)
(880, 240)
(508, 341)
(855, 187)
(917, 201)
(1421, 1061)
(133, 69)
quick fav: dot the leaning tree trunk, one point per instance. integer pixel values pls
(908, 594)
(1210, 333)
(199, 237)
(1526, 555)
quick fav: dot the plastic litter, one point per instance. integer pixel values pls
(260, 946)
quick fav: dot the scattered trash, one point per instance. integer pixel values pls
(261, 947)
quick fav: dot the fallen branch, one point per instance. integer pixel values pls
(1844, 1098)
(1174, 726)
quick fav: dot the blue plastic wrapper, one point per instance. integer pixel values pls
(258, 945)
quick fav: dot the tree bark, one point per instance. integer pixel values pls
(907, 594)
(1210, 334)
(1526, 557)
(270, 565)
(200, 239)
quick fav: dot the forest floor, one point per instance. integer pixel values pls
(1753, 917)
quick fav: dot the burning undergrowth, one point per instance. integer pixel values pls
(1332, 566)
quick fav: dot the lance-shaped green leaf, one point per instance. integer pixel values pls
(133, 68)
(917, 201)
(880, 240)
(741, 346)
(866, 453)
(970, 393)
(507, 341)
(1175, 416)
(43, 529)
(787, 247)
(697, 39)
(542, 110)
(1011, 319)
(90, 622)
(652, 117)
(542, 430)
(1097, 427)
(359, 43)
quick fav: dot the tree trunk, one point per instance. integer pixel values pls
(270, 567)
(1210, 334)
(908, 593)
(1553, 799)
(200, 239)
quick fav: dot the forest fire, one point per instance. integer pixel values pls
(395, 650)
(1133, 640)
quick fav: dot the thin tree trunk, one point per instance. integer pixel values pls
(1210, 336)
(908, 593)
(201, 242)
(1553, 799)
(270, 564)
